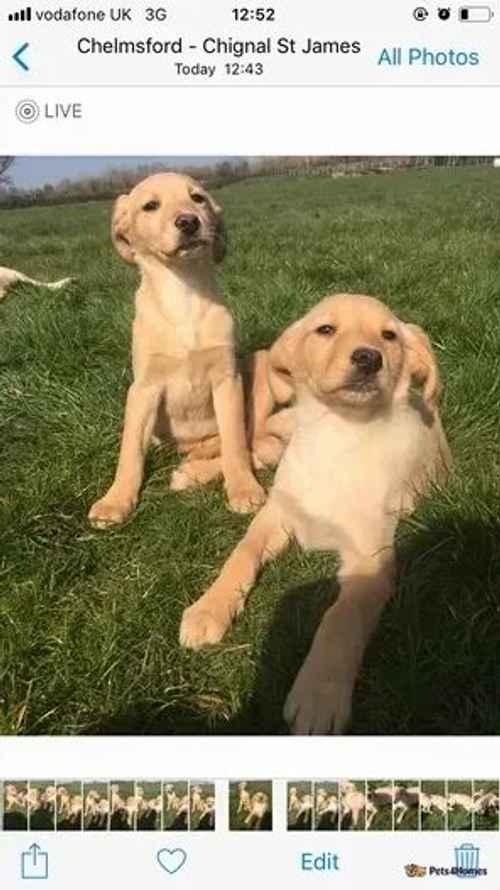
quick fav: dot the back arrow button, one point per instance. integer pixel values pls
(18, 57)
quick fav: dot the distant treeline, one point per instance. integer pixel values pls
(114, 182)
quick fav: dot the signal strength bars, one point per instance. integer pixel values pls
(24, 15)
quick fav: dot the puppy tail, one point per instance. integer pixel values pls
(55, 285)
(12, 277)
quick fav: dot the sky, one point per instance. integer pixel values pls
(36, 172)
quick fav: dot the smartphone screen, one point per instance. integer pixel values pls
(250, 448)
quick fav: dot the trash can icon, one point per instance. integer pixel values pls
(467, 861)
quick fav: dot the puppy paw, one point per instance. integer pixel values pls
(267, 452)
(181, 481)
(318, 705)
(246, 498)
(201, 626)
(110, 511)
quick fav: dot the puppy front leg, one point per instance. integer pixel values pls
(207, 621)
(244, 493)
(121, 498)
(320, 699)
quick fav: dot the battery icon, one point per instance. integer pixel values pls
(475, 14)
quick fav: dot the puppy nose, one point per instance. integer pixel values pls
(367, 360)
(188, 223)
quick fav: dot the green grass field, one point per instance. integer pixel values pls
(89, 620)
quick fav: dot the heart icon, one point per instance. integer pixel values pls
(171, 860)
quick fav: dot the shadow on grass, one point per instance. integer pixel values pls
(431, 667)
(294, 623)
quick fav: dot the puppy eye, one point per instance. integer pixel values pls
(198, 199)
(326, 330)
(151, 206)
(389, 335)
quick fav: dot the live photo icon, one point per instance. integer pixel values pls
(34, 864)
(23, 15)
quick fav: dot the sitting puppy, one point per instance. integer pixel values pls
(353, 803)
(293, 801)
(364, 445)
(187, 385)
(244, 802)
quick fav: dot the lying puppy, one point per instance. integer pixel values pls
(187, 384)
(326, 803)
(258, 808)
(464, 801)
(485, 803)
(364, 446)
(9, 277)
(435, 802)
(305, 806)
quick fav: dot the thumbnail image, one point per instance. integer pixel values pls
(326, 806)
(486, 797)
(300, 806)
(352, 805)
(251, 806)
(379, 805)
(433, 806)
(69, 806)
(407, 805)
(123, 806)
(96, 806)
(176, 806)
(460, 806)
(42, 806)
(15, 806)
(203, 805)
(149, 806)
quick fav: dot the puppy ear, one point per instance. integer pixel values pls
(120, 229)
(283, 363)
(220, 239)
(422, 362)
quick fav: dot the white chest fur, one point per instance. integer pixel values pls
(339, 475)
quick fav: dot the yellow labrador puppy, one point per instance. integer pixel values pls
(364, 445)
(187, 383)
